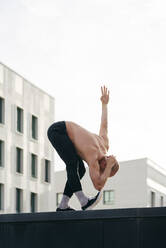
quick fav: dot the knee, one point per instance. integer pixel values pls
(72, 175)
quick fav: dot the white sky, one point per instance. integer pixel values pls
(70, 48)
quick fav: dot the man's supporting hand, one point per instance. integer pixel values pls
(105, 95)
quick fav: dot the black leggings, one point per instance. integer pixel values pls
(57, 135)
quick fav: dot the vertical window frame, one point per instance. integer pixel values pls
(19, 160)
(34, 167)
(19, 200)
(34, 127)
(33, 203)
(19, 120)
(161, 201)
(2, 110)
(152, 198)
(47, 171)
(2, 153)
(2, 195)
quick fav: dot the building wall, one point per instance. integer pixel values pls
(129, 184)
(19, 92)
(156, 182)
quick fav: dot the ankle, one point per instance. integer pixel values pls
(81, 197)
(64, 202)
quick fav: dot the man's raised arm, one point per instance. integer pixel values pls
(104, 119)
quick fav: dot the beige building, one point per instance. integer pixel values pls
(26, 158)
(139, 183)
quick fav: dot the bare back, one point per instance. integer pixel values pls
(89, 146)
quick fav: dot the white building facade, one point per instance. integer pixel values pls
(138, 183)
(26, 157)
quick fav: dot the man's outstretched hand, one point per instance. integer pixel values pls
(105, 95)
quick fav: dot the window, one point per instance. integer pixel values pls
(34, 127)
(47, 171)
(152, 199)
(19, 200)
(2, 110)
(19, 160)
(1, 196)
(58, 198)
(33, 165)
(19, 120)
(2, 153)
(161, 201)
(33, 202)
(108, 197)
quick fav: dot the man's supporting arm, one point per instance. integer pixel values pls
(99, 179)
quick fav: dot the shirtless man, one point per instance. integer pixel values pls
(74, 144)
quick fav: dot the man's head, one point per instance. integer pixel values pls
(109, 159)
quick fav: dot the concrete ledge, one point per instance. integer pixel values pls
(135, 228)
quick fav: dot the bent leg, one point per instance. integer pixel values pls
(73, 184)
(74, 175)
(73, 180)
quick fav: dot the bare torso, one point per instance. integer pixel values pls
(89, 146)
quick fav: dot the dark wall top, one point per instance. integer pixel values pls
(135, 228)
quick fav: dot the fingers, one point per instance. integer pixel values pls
(104, 90)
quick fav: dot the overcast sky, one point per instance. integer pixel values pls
(69, 48)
